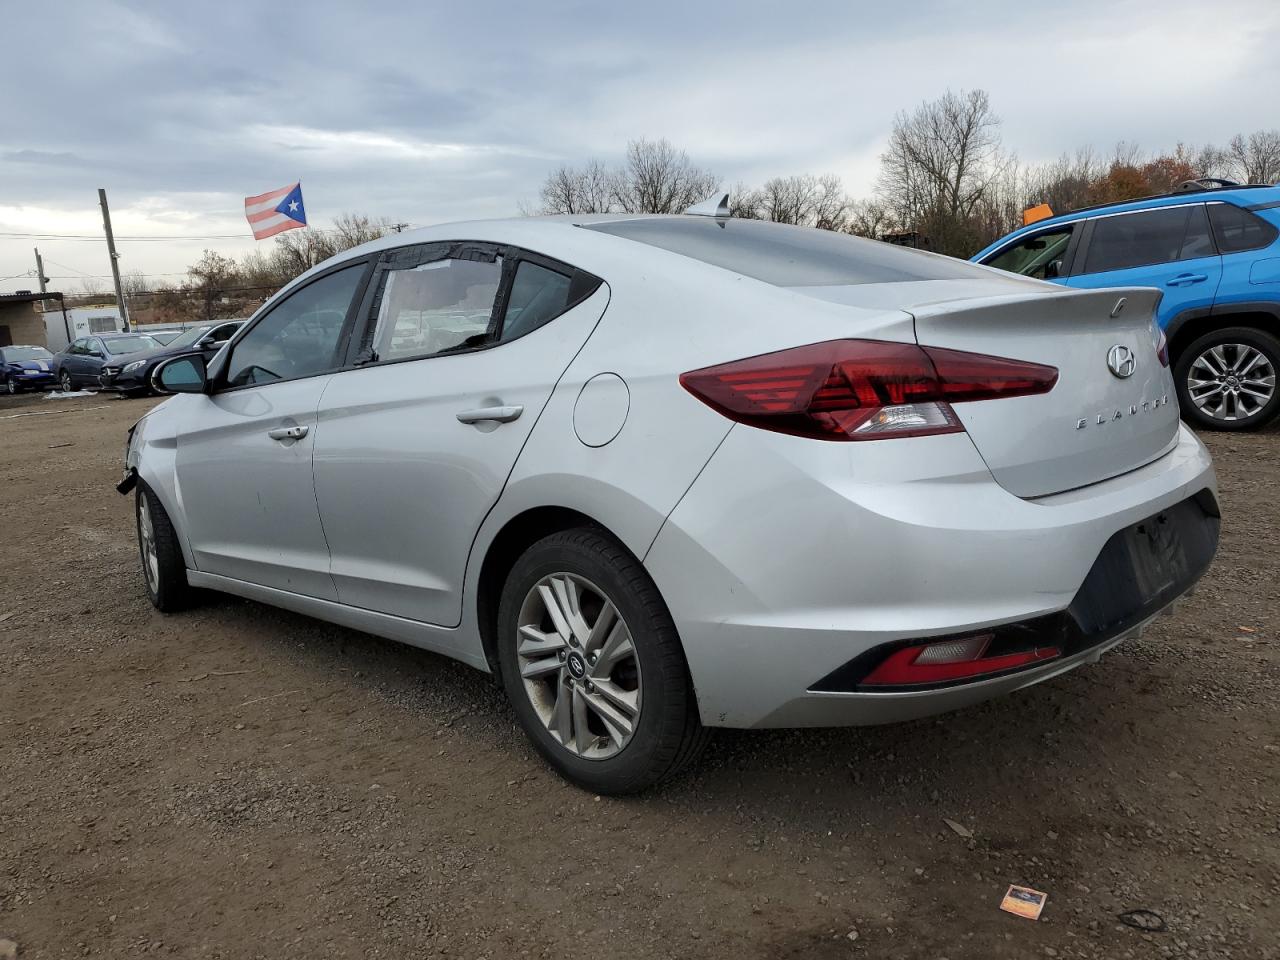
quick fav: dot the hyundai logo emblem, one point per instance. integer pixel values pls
(1121, 361)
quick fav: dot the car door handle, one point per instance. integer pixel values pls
(287, 433)
(1186, 279)
(498, 414)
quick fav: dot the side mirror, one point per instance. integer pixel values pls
(184, 374)
(1053, 269)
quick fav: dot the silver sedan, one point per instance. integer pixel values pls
(663, 474)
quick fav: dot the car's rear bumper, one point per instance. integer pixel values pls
(789, 559)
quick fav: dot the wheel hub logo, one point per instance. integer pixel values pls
(1121, 361)
(577, 666)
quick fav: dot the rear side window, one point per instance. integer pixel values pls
(787, 256)
(434, 307)
(1128, 240)
(1237, 230)
(537, 296)
(1039, 256)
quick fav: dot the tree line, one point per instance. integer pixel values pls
(946, 183)
(946, 180)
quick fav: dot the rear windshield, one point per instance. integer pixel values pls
(119, 345)
(788, 256)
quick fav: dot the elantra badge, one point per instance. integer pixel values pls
(1146, 406)
(1121, 361)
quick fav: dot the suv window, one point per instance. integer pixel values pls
(1238, 230)
(300, 336)
(435, 307)
(1125, 240)
(538, 295)
(1032, 256)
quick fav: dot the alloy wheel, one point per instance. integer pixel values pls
(65, 380)
(11, 386)
(147, 542)
(578, 666)
(1231, 381)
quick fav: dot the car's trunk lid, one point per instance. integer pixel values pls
(1094, 423)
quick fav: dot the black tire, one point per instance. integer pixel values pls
(668, 736)
(167, 587)
(1227, 338)
(11, 387)
(66, 382)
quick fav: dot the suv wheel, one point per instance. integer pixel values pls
(593, 666)
(1227, 379)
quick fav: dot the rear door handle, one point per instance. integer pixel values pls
(498, 414)
(287, 433)
(1186, 279)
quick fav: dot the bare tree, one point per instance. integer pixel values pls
(1254, 159)
(869, 218)
(96, 288)
(299, 250)
(588, 189)
(658, 178)
(941, 161)
(210, 279)
(804, 200)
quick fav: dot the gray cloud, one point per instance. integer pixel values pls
(428, 112)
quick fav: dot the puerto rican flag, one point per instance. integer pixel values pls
(276, 211)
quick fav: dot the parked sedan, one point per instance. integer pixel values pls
(25, 368)
(80, 364)
(132, 375)
(672, 473)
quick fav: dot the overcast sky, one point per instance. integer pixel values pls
(425, 112)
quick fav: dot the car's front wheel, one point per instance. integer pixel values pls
(10, 387)
(593, 665)
(64, 381)
(1227, 379)
(163, 569)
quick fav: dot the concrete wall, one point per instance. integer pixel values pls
(24, 324)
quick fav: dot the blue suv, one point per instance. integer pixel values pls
(1213, 249)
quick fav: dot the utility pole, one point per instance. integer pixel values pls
(115, 257)
(40, 274)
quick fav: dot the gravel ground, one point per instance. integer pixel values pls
(238, 781)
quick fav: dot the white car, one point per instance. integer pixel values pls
(661, 474)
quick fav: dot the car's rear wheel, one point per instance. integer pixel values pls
(1227, 379)
(163, 570)
(593, 665)
(64, 381)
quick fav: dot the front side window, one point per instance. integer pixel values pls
(1038, 256)
(1239, 230)
(538, 295)
(1128, 240)
(435, 307)
(300, 336)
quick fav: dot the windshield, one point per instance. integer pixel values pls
(188, 337)
(25, 353)
(120, 345)
(164, 336)
(787, 256)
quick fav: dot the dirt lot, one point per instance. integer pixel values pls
(242, 782)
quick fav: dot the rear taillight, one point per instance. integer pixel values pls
(861, 389)
(1162, 347)
(948, 660)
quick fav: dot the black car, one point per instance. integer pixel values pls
(25, 368)
(81, 362)
(133, 376)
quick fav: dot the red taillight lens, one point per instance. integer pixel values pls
(861, 389)
(950, 660)
(1162, 347)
